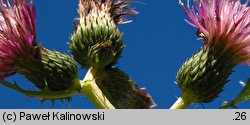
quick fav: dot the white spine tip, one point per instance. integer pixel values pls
(181, 3)
(242, 83)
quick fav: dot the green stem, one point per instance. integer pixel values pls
(91, 90)
(181, 104)
(40, 94)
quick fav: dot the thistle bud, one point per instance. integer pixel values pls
(122, 92)
(50, 69)
(97, 42)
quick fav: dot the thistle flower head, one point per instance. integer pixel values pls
(224, 25)
(224, 22)
(17, 33)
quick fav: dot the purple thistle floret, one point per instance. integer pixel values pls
(225, 22)
(17, 34)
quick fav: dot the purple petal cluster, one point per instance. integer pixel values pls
(17, 33)
(226, 22)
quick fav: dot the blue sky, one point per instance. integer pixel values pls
(157, 43)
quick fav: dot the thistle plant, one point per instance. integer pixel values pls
(97, 45)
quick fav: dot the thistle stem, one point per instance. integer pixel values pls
(91, 90)
(181, 104)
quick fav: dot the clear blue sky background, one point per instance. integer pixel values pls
(158, 43)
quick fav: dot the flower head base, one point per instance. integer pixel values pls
(224, 25)
(53, 70)
(17, 34)
(203, 77)
(225, 22)
(97, 41)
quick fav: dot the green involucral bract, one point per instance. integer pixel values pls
(50, 70)
(202, 78)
